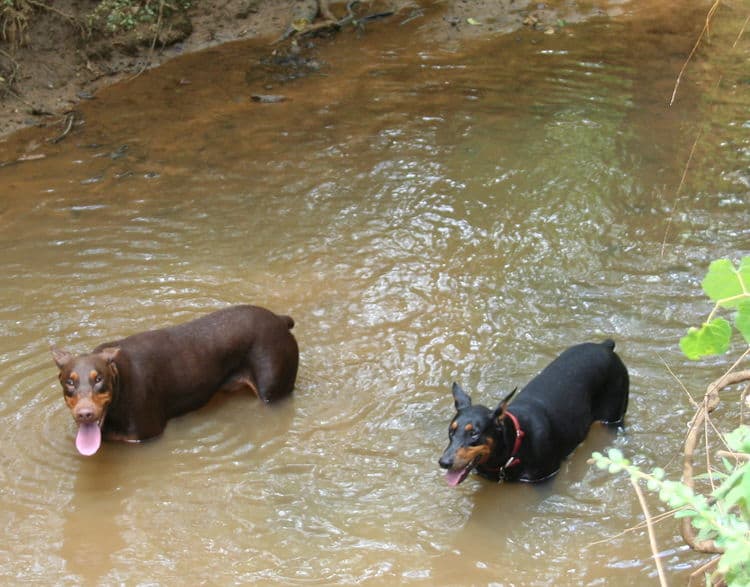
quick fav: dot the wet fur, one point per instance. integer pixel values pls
(586, 383)
(134, 385)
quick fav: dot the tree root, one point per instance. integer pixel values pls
(697, 429)
(15, 15)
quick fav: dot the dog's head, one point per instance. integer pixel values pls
(472, 437)
(89, 384)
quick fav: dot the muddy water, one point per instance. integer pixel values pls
(427, 214)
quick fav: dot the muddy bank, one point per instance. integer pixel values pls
(57, 66)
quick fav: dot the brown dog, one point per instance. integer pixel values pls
(128, 389)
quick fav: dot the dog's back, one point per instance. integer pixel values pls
(155, 375)
(526, 440)
(586, 383)
(588, 375)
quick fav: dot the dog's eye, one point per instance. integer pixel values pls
(98, 379)
(475, 437)
(69, 382)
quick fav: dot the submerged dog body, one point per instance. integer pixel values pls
(129, 388)
(549, 418)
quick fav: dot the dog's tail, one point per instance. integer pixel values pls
(289, 321)
(609, 343)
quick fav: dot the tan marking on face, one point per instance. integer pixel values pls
(469, 427)
(102, 400)
(468, 454)
(454, 425)
(93, 375)
(95, 404)
(73, 376)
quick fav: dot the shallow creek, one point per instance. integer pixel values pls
(426, 214)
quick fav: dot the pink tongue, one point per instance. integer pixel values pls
(89, 438)
(453, 478)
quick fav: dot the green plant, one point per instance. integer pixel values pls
(724, 518)
(721, 518)
(123, 15)
(729, 288)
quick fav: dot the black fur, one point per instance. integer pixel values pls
(586, 383)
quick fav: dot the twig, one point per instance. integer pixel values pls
(658, 518)
(742, 30)
(677, 379)
(51, 9)
(59, 12)
(740, 456)
(351, 17)
(679, 189)
(70, 119)
(651, 536)
(157, 30)
(710, 14)
(709, 567)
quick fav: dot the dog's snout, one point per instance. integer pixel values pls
(85, 415)
(445, 462)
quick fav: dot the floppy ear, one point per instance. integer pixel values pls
(61, 357)
(460, 397)
(499, 412)
(110, 353)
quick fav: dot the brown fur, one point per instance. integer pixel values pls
(131, 387)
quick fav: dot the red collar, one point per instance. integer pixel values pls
(513, 460)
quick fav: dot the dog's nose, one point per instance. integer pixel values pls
(85, 415)
(445, 462)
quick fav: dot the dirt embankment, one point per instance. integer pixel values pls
(50, 60)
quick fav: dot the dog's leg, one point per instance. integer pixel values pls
(274, 368)
(612, 403)
(240, 382)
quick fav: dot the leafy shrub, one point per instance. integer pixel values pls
(728, 288)
(124, 15)
(723, 517)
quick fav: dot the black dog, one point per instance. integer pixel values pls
(550, 417)
(129, 388)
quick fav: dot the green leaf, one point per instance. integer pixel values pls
(745, 268)
(473, 21)
(615, 454)
(710, 339)
(742, 320)
(740, 494)
(723, 281)
(739, 439)
(685, 513)
(732, 558)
